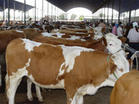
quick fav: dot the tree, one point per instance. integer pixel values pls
(73, 16)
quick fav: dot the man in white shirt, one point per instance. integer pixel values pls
(133, 37)
(133, 34)
(120, 30)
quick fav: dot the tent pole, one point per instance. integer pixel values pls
(8, 12)
(3, 10)
(129, 16)
(112, 11)
(55, 13)
(119, 11)
(14, 11)
(35, 10)
(25, 12)
(135, 15)
(47, 10)
(51, 12)
(104, 13)
(108, 12)
(42, 7)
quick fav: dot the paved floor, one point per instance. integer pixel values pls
(59, 97)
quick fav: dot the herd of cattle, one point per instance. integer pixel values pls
(78, 60)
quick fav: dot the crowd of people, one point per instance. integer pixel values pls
(130, 31)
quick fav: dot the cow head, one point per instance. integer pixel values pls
(113, 43)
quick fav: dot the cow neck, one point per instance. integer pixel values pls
(119, 57)
(108, 61)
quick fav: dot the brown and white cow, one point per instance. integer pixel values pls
(126, 89)
(112, 42)
(78, 70)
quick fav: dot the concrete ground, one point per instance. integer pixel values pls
(59, 97)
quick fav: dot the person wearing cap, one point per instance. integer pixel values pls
(133, 35)
(120, 30)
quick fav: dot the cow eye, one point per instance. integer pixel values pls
(110, 44)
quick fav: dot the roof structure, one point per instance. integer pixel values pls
(125, 5)
(14, 4)
(94, 5)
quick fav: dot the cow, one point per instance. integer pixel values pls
(78, 70)
(126, 89)
(97, 45)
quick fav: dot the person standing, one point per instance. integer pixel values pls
(133, 36)
(120, 30)
(101, 24)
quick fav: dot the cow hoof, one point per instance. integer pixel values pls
(30, 98)
(40, 99)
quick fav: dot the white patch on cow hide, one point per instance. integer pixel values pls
(19, 31)
(70, 53)
(46, 34)
(59, 85)
(73, 37)
(61, 71)
(29, 45)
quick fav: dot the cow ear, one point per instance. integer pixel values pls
(104, 41)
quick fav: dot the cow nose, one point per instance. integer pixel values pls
(106, 51)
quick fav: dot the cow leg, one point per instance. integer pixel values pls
(38, 91)
(77, 99)
(73, 97)
(12, 84)
(29, 92)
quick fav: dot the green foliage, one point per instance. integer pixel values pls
(81, 18)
